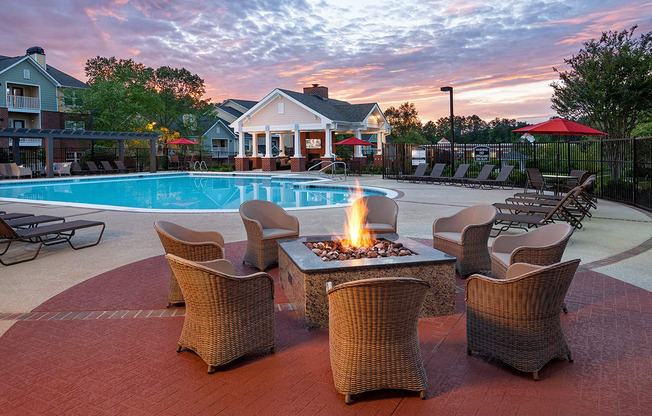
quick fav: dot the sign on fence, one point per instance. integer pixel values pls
(418, 156)
(481, 154)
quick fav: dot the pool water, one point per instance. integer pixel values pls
(179, 192)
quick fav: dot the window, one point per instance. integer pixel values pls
(26, 74)
(75, 125)
(281, 108)
(217, 129)
(72, 98)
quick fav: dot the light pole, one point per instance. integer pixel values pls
(92, 129)
(450, 89)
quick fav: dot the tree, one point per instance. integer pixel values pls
(406, 126)
(609, 83)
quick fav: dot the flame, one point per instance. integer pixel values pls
(356, 214)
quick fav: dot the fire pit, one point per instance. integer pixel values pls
(304, 274)
(343, 250)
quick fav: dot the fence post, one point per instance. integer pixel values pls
(634, 174)
(601, 165)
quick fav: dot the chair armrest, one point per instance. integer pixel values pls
(329, 286)
(289, 222)
(221, 265)
(212, 236)
(519, 269)
(445, 224)
(252, 225)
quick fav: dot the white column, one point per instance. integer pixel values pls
(328, 145)
(380, 139)
(297, 141)
(358, 149)
(254, 144)
(268, 143)
(241, 146)
(281, 144)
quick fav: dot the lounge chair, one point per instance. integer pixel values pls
(122, 168)
(75, 168)
(227, 316)
(583, 200)
(92, 167)
(501, 180)
(571, 211)
(373, 338)
(33, 220)
(173, 162)
(15, 215)
(20, 171)
(465, 235)
(517, 319)
(265, 222)
(482, 176)
(435, 174)
(64, 169)
(5, 172)
(458, 177)
(190, 245)
(381, 215)
(419, 172)
(44, 235)
(525, 219)
(106, 166)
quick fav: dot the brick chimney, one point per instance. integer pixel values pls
(38, 54)
(316, 89)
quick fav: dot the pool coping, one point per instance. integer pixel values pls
(308, 183)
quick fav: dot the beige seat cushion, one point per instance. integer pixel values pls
(502, 257)
(273, 233)
(456, 237)
(380, 228)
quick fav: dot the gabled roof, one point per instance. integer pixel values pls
(243, 103)
(335, 110)
(60, 78)
(231, 111)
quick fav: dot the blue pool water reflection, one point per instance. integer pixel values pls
(180, 192)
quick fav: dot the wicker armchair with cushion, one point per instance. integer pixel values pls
(381, 214)
(541, 246)
(465, 235)
(265, 222)
(190, 245)
(517, 320)
(227, 316)
(373, 338)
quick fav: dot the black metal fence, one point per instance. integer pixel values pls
(623, 166)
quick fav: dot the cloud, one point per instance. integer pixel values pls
(498, 56)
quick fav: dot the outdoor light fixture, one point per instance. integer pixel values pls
(450, 89)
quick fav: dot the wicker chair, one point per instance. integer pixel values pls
(465, 235)
(190, 245)
(381, 215)
(373, 338)
(541, 246)
(227, 316)
(517, 320)
(265, 222)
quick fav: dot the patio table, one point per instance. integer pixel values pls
(558, 179)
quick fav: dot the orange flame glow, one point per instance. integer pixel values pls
(356, 215)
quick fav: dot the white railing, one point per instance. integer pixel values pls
(27, 103)
(30, 142)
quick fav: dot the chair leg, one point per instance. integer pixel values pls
(468, 351)
(347, 399)
(272, 350)
(211, 369)
(422, 394)
(564, 308)
(535, 374)
(570, 357)
(179, 348)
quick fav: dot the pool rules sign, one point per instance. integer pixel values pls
(481, 154)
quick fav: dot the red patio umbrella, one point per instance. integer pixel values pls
(182, 141)
(560, 127)
(352, 141)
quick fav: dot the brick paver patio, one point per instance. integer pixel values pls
(107, 346)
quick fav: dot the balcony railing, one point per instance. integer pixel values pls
(219, 152)
(24, 103)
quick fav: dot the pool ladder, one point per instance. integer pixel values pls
(322, 172)
(199, 165)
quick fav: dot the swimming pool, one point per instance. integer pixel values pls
(181, 192)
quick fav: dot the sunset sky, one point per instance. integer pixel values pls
(497, 55)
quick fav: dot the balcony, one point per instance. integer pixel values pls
(220, 152)
(19, 102)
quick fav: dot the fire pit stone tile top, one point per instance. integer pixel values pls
(304, 275)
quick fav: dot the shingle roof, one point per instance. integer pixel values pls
(231, 111)
(336, 110)
(244, 103)
(61, 77)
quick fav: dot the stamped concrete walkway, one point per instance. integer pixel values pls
(86, 332)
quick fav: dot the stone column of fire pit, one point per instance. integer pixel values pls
(304, 275)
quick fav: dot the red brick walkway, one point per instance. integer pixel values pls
(75, 364)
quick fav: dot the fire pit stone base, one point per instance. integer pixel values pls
(304, 276)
